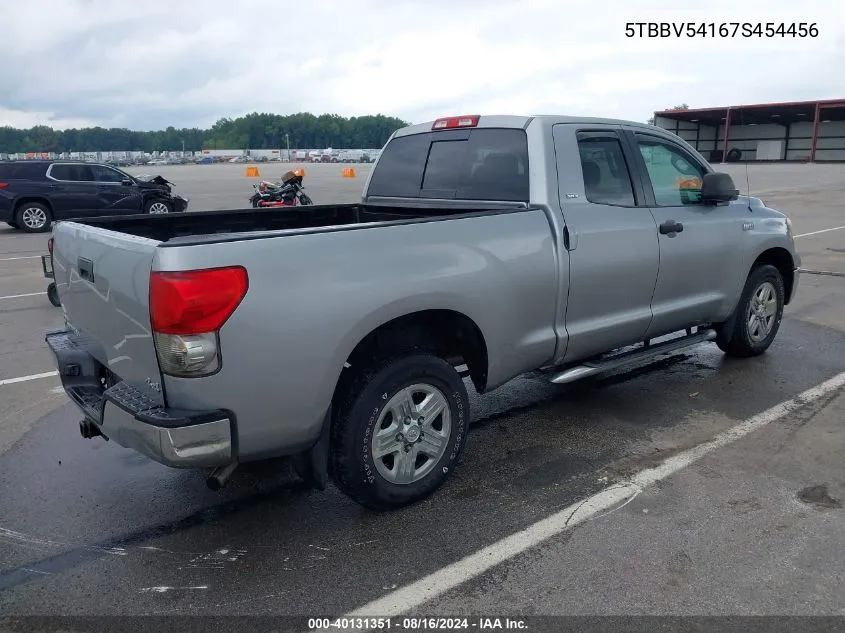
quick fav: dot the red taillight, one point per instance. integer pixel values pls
(469, 120)
(50, 246)
(3, 185)
(195, 301)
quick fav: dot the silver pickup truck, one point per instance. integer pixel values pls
(344, 336)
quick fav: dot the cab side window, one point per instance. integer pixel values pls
(607, 179)
(676, 180)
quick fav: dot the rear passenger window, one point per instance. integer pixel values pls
(606, 176)
(487, 164)
(22, 171)
(72, 172)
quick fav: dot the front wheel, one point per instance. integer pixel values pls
(158, 206)
(399, 430)
(305, 200)
(757, 317)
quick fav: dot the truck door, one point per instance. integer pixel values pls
(701, 260)
(612, 241)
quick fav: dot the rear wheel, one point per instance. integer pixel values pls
(757, 317)
(399, 430)
(53, 295)
(33, 217)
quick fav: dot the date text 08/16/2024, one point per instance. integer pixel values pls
(416, 624)
(722, 29)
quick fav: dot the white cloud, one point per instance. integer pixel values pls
(31, 118)
(156, 63)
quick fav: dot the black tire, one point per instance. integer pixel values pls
(53, 295)
(358, 411)
(734, 337)
(305, 200)
(32, 209)
(148, 207)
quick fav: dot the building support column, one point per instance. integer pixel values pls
(786, 141)
(726, 136)
(814, 142)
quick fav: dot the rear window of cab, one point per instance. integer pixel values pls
(477, 164)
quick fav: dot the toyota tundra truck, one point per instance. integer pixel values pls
(346, 336)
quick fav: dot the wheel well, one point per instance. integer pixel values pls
(782, 260)
(451, 335)
(28, 199)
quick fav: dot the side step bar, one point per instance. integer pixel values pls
(620, 361)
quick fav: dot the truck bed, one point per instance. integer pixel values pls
(198, 224)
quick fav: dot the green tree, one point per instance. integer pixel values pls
(258, 130)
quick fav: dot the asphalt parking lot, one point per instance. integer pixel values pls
(750, 525)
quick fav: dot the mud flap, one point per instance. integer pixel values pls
(313, 465)
(725, 330)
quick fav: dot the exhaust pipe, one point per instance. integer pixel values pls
(220, 476)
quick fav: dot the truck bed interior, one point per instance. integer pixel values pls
(167, 227)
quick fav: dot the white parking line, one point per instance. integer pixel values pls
(12, 381)
(29, 294)
(14, 259)
(436, 584)
(835, 228)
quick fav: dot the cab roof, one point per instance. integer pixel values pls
(513, 121)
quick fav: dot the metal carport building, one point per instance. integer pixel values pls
(806, 131)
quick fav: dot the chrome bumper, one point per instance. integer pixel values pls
(125, 414)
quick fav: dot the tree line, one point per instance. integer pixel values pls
(253, 131)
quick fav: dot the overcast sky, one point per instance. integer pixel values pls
(147, 64)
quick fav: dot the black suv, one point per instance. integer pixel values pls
(33, 193)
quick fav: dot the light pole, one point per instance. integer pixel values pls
(287, 140)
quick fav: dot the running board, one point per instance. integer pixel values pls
(632, 357)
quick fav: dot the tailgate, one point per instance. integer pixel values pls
(103, 280)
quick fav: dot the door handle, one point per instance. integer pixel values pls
(670, 226)
(86, 269)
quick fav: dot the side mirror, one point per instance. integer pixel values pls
(126, 182)
(718, 187)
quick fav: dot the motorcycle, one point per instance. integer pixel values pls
(288, 193)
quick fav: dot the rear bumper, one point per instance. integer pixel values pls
(125, 414)
(5, 210)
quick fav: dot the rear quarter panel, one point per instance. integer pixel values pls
(312, 298)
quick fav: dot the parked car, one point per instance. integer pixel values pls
(35, 193)
(483, 247)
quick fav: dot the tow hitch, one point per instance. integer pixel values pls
(89, 430)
